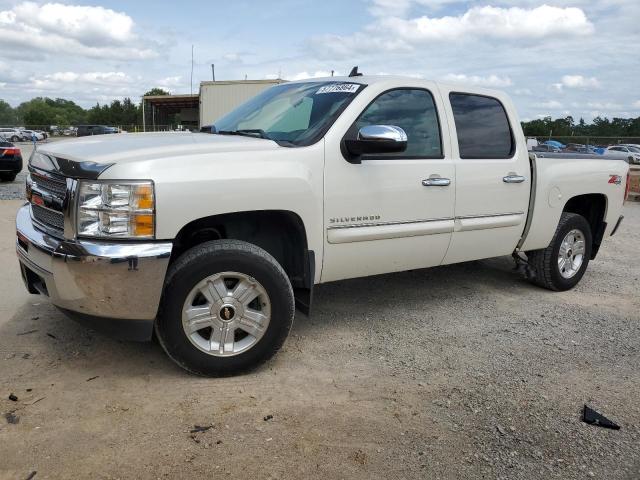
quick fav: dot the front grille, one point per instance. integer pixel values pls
(48, 217)
(48, 194)
(56, 186)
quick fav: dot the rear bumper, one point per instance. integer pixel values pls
(13, 165)
(97, 280)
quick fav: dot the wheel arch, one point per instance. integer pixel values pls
(281, 233)
(593, 207)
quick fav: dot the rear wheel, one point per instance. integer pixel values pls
(15, 138)
(8, 177)
(227, 307)
(562, 264)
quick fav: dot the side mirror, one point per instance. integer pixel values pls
(374, 139)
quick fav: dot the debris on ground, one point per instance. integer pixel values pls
(12, 418)
(27, 332)
(199, 428)
(13, 397)
(92, 378)
(268, 417)
(52, 336)
(592, 417)
(33, 402)
(31, 475)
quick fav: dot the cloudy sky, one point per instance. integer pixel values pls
(556, 58)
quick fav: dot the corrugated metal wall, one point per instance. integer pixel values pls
(219, 98)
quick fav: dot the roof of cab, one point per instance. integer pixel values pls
(399, 79)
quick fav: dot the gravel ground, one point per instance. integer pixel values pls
(464, 371)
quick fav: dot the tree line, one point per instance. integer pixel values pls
(568, 127)
(43, 112)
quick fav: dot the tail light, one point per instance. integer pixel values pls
(627, 188)
(11, 151)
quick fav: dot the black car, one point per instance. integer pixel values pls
(86, 130)
(10, 161)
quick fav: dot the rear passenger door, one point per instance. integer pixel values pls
(493, 177)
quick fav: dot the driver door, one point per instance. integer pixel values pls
(387, 213)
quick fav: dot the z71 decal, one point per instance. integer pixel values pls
(617, 179)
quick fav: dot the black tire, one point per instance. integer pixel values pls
(545, 262)
(15, 138)
(208, 259)
(8, 177)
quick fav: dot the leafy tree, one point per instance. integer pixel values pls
(156, 91)
(7, 114)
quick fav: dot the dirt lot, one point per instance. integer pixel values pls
(464, 371)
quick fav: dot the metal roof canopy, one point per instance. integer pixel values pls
(173, 103)
(168, 104)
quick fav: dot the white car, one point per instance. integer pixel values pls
(213, 239)
(11, 134)
(29, 134)
(632, 151)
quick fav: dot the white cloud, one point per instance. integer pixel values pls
(397, 34)
(550, 104)
(636, 104)
(55, 80)
(76, 30)
(577, 81)
(305, 75)
(170, 82)
(604, 105)
(489, 81)
(523, 91)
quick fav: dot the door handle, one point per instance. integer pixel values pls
(513, 179)
(436, 182)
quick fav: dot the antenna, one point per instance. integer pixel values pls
(332, 72)
(213, 72)
(191, 69)
(354, 72)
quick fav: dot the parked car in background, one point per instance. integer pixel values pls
(11, 134)
(633, 152)
(546, 148)
(86, 130)
(29, 134)
(554, 143)
(10, 161)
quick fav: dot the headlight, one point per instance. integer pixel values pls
(116, 209)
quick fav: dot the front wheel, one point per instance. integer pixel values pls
(15, 138)
(8, 177)
(562, 264)
(227, 307)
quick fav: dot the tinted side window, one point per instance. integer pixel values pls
(482, 126)
(412, 110)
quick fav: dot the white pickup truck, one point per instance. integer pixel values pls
(212, 239)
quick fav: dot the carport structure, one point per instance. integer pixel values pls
(158, 109)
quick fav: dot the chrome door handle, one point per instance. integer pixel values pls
(436, 182)
(513, 179)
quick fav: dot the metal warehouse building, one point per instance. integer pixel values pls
(214, 100)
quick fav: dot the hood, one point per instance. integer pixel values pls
(132, 147)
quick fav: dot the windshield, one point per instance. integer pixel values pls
(634, 149)
(292, 114)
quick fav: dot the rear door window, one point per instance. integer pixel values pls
(482, 126)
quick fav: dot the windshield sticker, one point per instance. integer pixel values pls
(339, 88)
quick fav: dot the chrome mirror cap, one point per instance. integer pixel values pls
(384, 133)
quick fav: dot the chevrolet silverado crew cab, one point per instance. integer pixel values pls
(213, 239)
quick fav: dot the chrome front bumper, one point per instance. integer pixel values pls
(113, 280)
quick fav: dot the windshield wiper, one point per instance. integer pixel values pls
(246, 132)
